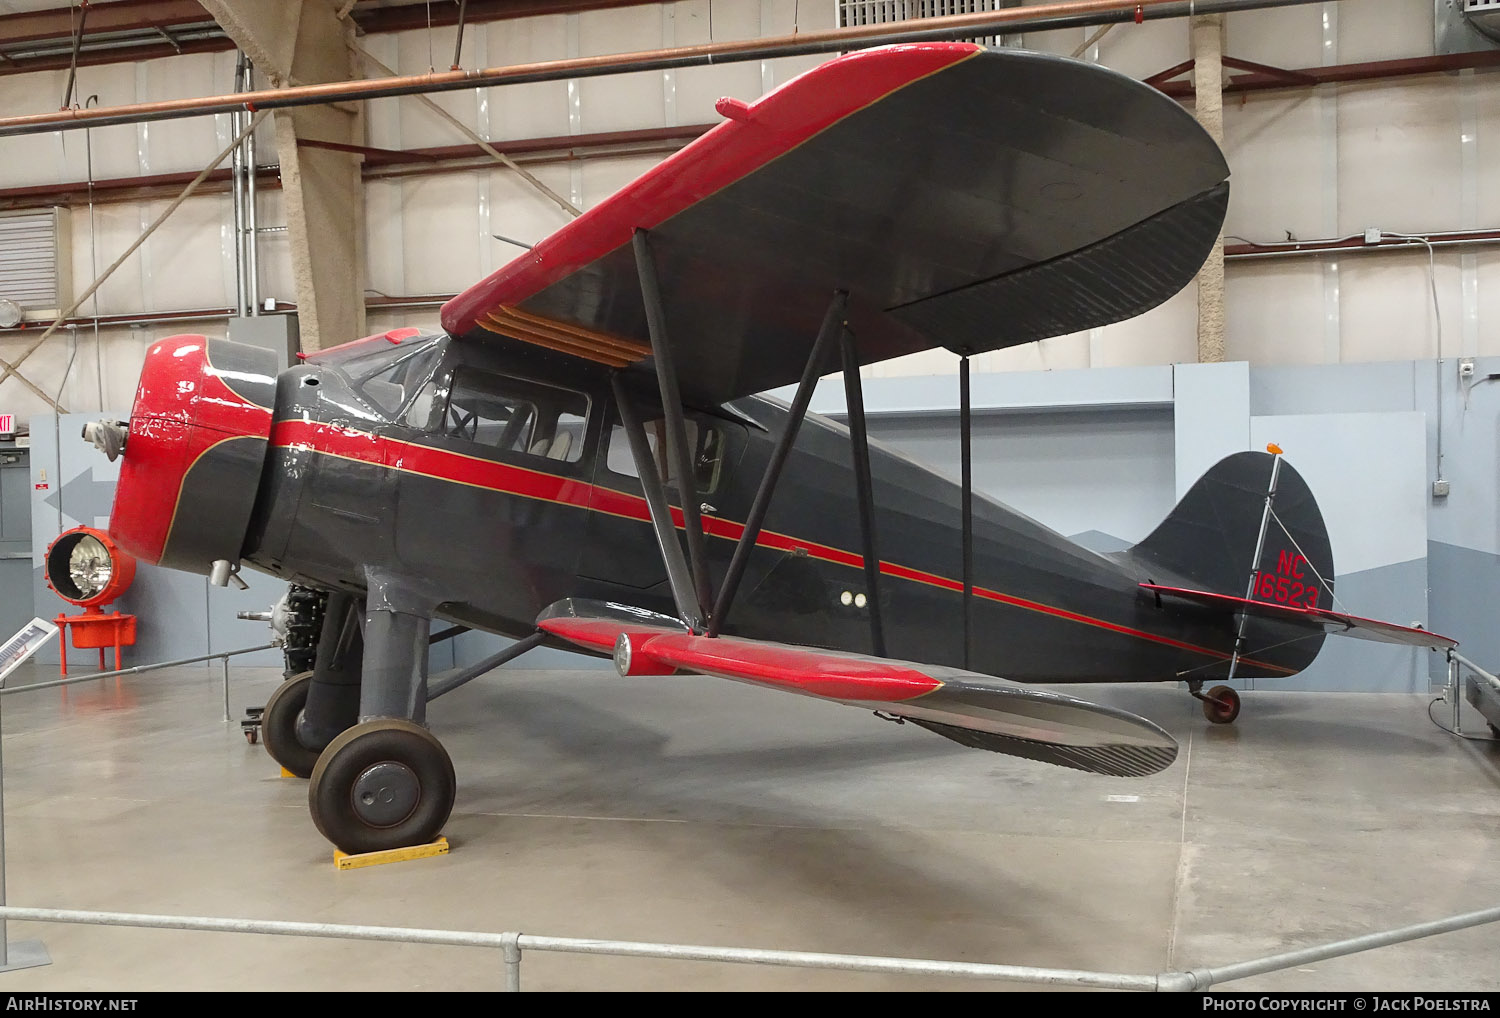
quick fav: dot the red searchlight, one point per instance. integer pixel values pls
(86, 567)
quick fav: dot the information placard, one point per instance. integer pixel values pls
(24, 644)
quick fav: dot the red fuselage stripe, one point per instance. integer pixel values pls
(442, 465)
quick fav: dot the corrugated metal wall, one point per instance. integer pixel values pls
(1409, 155)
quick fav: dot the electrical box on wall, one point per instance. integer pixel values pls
(277, 333)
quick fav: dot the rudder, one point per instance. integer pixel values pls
(1208, 540)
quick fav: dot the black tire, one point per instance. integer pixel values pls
(382, 784)
(278, 726)
(1221, 705)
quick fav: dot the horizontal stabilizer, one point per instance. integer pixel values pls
(972, 709)
(1311, 619)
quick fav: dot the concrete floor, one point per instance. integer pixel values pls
(693, 810)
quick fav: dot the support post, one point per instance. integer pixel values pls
(859, 448)
(1207, 37)
(510, 947)
(677, 453)
(458, 42)
(661, 513)
(252, 235)
(833, 323)
(225, 662)
(1455, 691)
(237, 193)
(965, 439)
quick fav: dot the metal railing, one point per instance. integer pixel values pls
(139, 669)
(512, 946)
(5, 954)
(1454, 691)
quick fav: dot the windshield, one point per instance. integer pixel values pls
(388, 384)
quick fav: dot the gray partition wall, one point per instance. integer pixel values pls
(1101, 455)
(15, 539)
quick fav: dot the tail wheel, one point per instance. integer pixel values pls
(382, 784)
(1221, 705)
(278, 726)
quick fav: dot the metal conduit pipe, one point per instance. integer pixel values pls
(1044, 17)
(236, 170)
(1356, 244)
(251, 241)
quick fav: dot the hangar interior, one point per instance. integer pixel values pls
(1349, 314)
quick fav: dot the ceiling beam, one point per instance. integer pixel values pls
(119, 16)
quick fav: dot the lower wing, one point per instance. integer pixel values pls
(972, 709)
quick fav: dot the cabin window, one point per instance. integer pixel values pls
(707, 443)
(509, 414)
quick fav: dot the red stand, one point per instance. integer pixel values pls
(95, 629)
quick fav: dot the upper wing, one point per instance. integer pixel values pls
(972, 709)
(1313, 619)
(964, 197)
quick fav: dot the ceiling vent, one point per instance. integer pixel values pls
(880, 12)
(35, 263)
(1465, 26)
(1485, 16)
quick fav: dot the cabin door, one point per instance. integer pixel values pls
(621, 546)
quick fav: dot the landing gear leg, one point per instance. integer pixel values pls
(1221, 705)
(387, 782)
(309, 709)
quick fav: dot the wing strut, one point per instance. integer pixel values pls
(678, 453)
(661, 513)
(965, 441)
(833, 324)
(859, 443)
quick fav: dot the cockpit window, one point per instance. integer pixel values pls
(510, 414)
(707, 444)
(388, 384)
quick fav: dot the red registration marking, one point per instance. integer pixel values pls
(1288, 584)
(41, 487)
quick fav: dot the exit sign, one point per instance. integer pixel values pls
(7, 424)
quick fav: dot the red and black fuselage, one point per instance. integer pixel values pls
(356, 469)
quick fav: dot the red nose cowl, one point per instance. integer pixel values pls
(192, 461)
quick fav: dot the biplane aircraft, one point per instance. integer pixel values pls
(580, 457)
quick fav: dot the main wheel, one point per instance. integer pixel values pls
(382, 784)
(278, 726)
(1221, 705)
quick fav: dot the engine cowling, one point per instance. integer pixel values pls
(194, 452)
